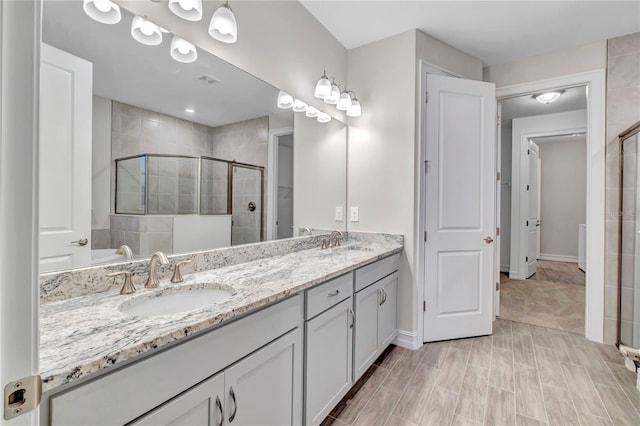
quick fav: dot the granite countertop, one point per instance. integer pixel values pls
(83, 335)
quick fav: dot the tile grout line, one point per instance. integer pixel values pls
(544, 402)
(466, 368)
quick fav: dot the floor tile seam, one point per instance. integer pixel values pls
(605, 406)
(544, 402)
(596, 391)
(362, 410)
(433, 388)
(540, 389)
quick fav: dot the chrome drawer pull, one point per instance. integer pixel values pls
(335, 293)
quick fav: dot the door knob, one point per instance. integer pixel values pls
(80, 242)
(488, 240)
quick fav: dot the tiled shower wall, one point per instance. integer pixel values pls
(623, 109)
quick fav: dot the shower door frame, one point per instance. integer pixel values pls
(230, 192)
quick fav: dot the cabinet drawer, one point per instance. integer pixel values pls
(326, 295)
(369, 274)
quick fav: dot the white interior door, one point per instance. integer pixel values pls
(496, 249)
(66, 84)
(533, 221)
(460, 213)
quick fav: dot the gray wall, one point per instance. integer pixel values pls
(563, 196)
(101, 173)
(505, 195)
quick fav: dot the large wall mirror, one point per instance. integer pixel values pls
(140, 150)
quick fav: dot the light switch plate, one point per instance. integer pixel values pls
(355, 214)
(339, 213)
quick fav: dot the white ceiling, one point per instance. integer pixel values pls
(147, 76)
(572, 99)
(493, 31)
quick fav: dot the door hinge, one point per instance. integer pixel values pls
(498, 231)
(22, 396)
(528, 152)
(426, 165)
(425, 236)
(424, 306)
(498, 176)
(526, 258)
(527, 222)
(497, 286)
(527, 187)
(499, 121)
(426, 98)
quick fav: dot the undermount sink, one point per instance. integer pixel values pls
(174, 303)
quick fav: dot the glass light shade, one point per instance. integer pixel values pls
(312, 112)
(299, 106)
(333, 97)
(223, 25)
(285, 100)
(323, 87)
(145, 31)
(103, 11)
(344, 102)
(323, 117)
(355, 110)
(191, 10)
(182, 50)
(547, 98)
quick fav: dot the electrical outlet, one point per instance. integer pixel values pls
(339, 213)
(355, 214)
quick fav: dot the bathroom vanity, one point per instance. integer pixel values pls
(295, 333)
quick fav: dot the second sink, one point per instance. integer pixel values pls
(173, 303)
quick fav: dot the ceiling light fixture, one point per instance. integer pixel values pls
(312, 112)
(299, 106)
(103, 11)
(323, 86)
(285, 100)
(145, 31)
(223, 25)
(182, 50)
(191, 10)
(548, 97)
(323, 117)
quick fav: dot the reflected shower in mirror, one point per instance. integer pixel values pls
(629, 248)
(180, 156)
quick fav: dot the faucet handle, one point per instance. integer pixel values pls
(177, 275)
(127, 287)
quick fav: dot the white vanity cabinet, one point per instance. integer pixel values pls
(329, 346)
(376, 312)
(258, 389)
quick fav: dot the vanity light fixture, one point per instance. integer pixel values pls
(323, 86)
(299, 106)
(182, 50)
(189, 110)
(312, 112)
(355, 110)
(323, 117)
(344, 102)
(333, 96)
(103, 11)
(145, 31)
(223, 25)
(548, 97)
(191, 10)
(285, 100)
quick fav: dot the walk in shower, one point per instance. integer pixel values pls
(174, 185)
(629, 245)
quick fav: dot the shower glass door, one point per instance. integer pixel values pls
(246, 204)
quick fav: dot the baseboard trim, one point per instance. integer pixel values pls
(504, 268)
(407, 339)
(558, 258)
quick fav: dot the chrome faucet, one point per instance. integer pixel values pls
(335, 238)
(153, 281)
(304, 231)
(126, 251)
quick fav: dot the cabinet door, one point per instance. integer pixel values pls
(388, 312)
(200, 405)
(265, 388)
(328, 360)
(366, 329)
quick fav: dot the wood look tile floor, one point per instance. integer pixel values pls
(522, 375)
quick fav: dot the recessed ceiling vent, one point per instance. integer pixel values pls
(207, 79)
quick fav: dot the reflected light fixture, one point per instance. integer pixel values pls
(548, 97)
(145, 31)
(191, 10)
(285, 100)
(312, 112)
(189, 110)
(223, 25)
(299, 106)
(323, 87)
(355, 110)
(333, 97)
(103, 11)
(323, 117)
(344, 102)
(182, 50)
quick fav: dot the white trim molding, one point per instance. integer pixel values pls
(272, 182)
(407, 340)
(596, 95)
(558, 258)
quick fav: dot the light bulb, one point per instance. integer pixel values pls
(223, 25)
(312, 112)
(146, 28)
(183, 51)
(299, 106)
(285, 100)
(191, 10)
(186, 4)
(323, 117)
(548, 97)
(103, 11)
(355, 110)
(145, 31)
(344, 102)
